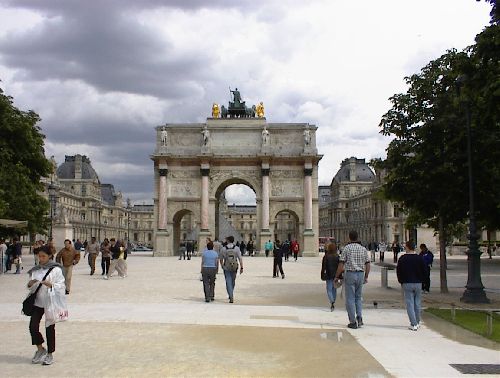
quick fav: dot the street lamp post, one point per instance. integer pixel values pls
(128, 223)
(474, 290)
(52, 199)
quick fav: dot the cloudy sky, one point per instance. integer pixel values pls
(103, 73)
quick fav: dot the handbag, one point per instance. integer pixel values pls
(56, 310)
(29, 302)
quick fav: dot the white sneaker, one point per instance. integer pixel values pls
(48, 359)
(39, 356)
(413, 328)
(105, 277)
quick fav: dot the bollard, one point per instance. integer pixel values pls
(489, 323)
(384, 277)
(453, 312)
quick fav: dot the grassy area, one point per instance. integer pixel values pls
(474, 321)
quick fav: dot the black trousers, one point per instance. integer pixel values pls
(382, 256)
(278, 265)
(105, 261)
(426, 284)
(36, 336)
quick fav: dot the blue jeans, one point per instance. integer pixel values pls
(331, 291)
(412, 292)
(353, 282)
(230, 282)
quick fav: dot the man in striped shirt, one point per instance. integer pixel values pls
(355, 263)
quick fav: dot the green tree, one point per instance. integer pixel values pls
(22, 164)
(427, 161)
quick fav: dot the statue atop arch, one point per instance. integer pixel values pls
(237, 108)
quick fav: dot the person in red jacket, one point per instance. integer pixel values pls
(295, 249)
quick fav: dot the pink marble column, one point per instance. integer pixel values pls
(265, 199)
(162, 197)
(204, 198)
(308, 198)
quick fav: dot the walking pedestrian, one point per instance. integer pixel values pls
(329, 266)
(295, 247)
(209, 267)
(3, 255)
(105, 256)
(382, 247)
(68, 257)
(230, 256)
(355, 264)
(428, 257)
(268, 247)
(250, 247)
(92, 250)
(411, 271)
(48, 274)
(278, 259)
(396, 248)
(122, 259)
(114, 248)
(17, 252)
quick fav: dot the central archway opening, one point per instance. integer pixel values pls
(236, 212)
(286, 226)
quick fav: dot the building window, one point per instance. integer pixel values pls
(83, 204)
(396, 211)
(149, 236)
(136, 236)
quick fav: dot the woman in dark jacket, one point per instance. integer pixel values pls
(328, 269)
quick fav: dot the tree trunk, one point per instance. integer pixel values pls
(442, 257)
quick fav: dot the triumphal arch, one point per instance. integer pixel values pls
(195, 162)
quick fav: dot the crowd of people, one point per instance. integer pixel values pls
(347, 266)
(51, 276)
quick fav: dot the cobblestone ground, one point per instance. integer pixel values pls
(155, 323)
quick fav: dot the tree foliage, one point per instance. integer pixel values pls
(22, 164)
(427, 159)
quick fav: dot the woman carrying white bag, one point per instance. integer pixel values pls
(50, 300)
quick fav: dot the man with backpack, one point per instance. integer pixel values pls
(230, 256)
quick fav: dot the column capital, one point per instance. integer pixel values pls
(205, 171)
(163, 172)
(308, 171)
(265, 171)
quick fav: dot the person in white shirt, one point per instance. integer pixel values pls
(55, 281)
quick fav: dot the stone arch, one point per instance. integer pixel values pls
(216, 199)
(220, 180)
(176, 227)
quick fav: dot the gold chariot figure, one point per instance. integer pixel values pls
(259, 110)
(215, 110)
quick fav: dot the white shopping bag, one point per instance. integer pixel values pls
(56, 309)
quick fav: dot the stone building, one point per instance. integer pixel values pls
(351, 202)
(81, 206)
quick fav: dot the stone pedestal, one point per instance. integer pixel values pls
(265, 235)
(61, 232)
(162, 248)
(310, 244)
(202, 240)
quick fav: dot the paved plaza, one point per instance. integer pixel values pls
(155, 323)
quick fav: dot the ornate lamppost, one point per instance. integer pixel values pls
(129, 208)
(474, 290)
(52, 203)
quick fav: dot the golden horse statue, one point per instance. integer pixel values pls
(215, 110)
(259, 110)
